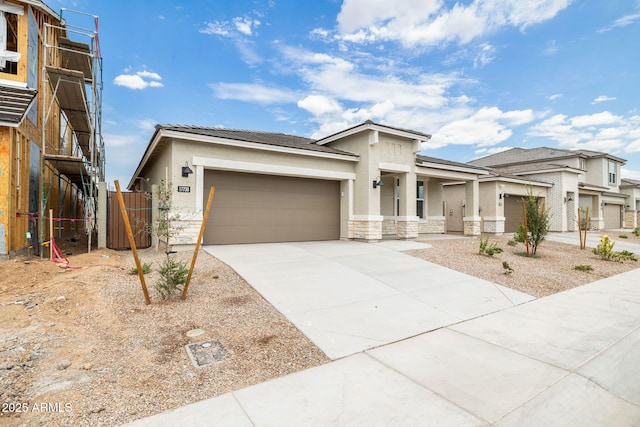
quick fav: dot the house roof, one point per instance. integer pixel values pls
(233, 136)
(527, 169)
(499, 174)
(434, 160)
(369, 125)
(258, 137)
(626, 182)
(527, 155)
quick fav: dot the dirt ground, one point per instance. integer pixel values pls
(78, 346)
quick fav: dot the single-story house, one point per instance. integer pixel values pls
(362, 183)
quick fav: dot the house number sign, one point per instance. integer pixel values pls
(184, 189)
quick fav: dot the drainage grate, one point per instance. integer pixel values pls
(206, 352)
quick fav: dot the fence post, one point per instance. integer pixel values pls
(102, 214)
(125, 217)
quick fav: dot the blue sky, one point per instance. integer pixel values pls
(479, 75)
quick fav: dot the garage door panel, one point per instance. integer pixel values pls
(612, 216)
(252, 208)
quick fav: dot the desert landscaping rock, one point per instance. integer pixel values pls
(195, 333)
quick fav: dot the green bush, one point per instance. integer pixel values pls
(512, 242)
(586, 268)
(605, 251)
(636, 231)
(605, 248)
(507, 268)
(489, 249)
(173, 276)
(623, 236)
(538, 219)
(146, 269)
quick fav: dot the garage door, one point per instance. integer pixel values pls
(252, 208)
(612, 216)
(512, 213)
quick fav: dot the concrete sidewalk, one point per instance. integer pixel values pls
(570, 359)
(348, 297)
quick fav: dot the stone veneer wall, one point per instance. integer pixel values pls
(433, 225)
(389, 226)
(493, 224)
(365, 230)
(407, 229)
(630, 219)
(471, 226)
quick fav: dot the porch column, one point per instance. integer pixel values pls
(471, 217)
(407, 218)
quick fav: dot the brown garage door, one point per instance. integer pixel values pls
(252, 208)
(512, 213)
(612, 216)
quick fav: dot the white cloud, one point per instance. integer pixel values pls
(486, 127)
(621, 22)
(603, 98)
(216, 28)
(250, 92)
(486, 56)
(147, 124)
(552, 48)
(601, 132)
(555, 96)
(319, 105)
(114, 140)
(432, 22)
(246, 25)
(138, 81)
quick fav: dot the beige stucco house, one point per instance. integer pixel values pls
(363, 183)
(566, 179)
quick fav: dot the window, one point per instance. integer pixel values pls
(9, 55)
(613, 168)
(420, 200)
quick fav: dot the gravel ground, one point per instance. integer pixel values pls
(550, 271)
(80, 347)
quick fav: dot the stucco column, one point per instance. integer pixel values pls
(407, 219)
(471, 217)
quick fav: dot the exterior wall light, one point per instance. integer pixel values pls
(377, 182)
(186, 170)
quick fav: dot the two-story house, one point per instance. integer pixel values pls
(574, 179)
(51, 150)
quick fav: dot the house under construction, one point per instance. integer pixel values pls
(51, 148)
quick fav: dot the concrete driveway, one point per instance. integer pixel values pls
(569, 359)
(348, 296)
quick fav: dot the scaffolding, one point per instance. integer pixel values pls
(72, 144)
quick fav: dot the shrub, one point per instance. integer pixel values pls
(489, 249)
(146, 269)
(173, 276)
(586, 268)
(512, 242)
(537, 223)
(507, 268)
(605, 248)
(623, 236)
(636, 231)
(605, 251)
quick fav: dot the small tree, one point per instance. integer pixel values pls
(165, 225)
(536, 218)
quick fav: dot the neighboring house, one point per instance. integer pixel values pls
(362, 183)
(51, 152)
(573, 179)
(631, 187)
